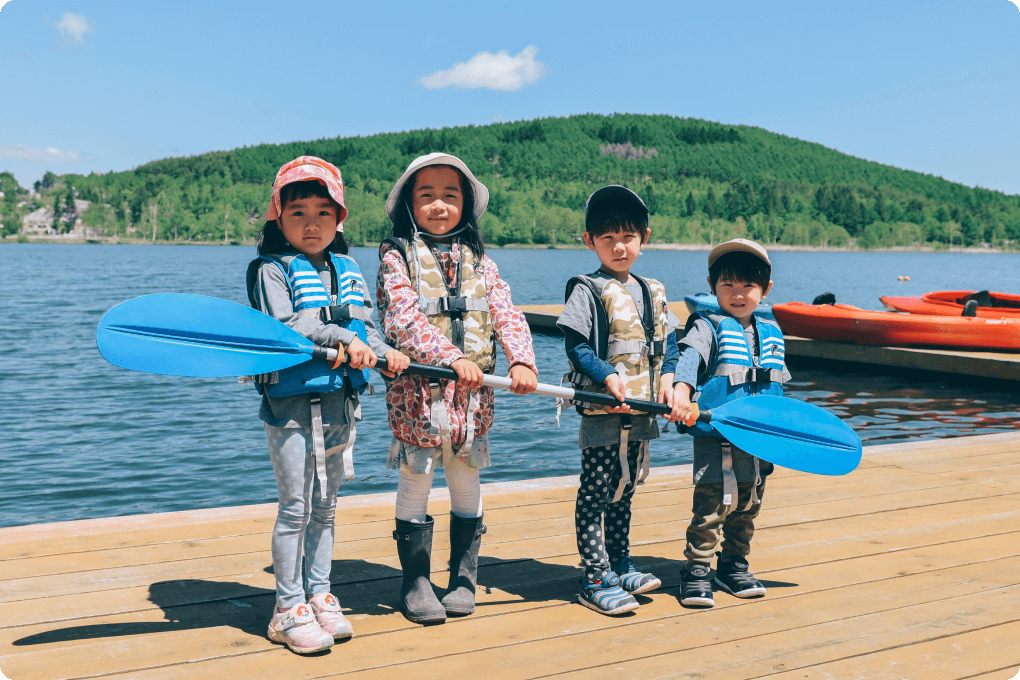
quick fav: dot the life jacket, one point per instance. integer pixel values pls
(620, 337)
(460, 312)
(310, 298)
(733, 374)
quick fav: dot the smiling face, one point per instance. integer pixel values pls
(618, 250)
(309, 225)
(438, 199)
(739, 299)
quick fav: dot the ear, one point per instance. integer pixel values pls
(710, 286)
(765, 293)
(648, 235)
(587, 241)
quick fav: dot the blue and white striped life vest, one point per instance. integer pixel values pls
(310, 298)
(733, 374)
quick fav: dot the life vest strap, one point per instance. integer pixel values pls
(625, 427)
(455, 304)
(730, 489)
(347, 312)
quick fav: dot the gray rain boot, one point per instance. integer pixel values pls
(418, 601)
(465, 540)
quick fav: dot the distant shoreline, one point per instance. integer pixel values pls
(559, 246)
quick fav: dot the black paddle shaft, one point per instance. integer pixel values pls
(441, 373)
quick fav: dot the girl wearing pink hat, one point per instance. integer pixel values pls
(304, 278)
(441, 301)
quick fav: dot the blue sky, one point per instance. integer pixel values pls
(930, 86)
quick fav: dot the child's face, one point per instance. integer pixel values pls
(739, 299)
(617, 250)
(309, 225)
(438, 199)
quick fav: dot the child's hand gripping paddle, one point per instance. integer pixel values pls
(197, 336)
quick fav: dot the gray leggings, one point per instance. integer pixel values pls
(303, 535)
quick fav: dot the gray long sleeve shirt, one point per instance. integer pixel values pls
(272, 296)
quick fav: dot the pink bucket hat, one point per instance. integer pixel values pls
(302, 169)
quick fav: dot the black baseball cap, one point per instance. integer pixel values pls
(622, 196)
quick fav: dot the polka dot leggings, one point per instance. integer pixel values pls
(603, 527)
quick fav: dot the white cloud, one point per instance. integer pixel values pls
(73, 28)
(497, 71)
(50, 153)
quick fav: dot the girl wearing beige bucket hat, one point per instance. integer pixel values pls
(442, 302)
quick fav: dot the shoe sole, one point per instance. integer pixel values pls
(743, 594)
(275, 637)
(647, 588)
(697, 602)
(423, 619)
(608, 612)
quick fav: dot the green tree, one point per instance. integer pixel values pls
(710, 208)
(689, 205)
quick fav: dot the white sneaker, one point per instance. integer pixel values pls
(298, 629)
(327, 612)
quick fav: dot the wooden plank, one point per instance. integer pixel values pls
(521, 644)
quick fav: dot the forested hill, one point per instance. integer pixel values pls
(702, 181)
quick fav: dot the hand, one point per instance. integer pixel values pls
(524, 379)
(361, 355)
(614, 384)
(468, 374)
(682, 407)
(396, 363)
(666, 391)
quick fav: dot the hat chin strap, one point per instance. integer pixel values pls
(417, 231)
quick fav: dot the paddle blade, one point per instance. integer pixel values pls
(791, 433)
(197, 336)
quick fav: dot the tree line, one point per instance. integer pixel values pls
(702, 181)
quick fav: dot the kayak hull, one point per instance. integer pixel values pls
(947, 303)
(846, 323)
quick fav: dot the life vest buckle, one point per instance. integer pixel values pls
(453, 304)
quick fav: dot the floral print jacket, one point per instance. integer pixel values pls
(407, 328)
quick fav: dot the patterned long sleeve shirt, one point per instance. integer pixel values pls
(408, 399)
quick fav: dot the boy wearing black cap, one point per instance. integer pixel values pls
(620, 340)
(726, 356)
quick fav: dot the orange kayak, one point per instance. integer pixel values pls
(951, 302)
(846, 323)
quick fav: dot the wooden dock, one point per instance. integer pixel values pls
(998, 366)
(909, 567)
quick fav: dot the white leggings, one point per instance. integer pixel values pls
(462, 480)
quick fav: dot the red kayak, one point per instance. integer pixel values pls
(951, 303)
(846, 323)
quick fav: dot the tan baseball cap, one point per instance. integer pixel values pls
(738, 245)
(481, 193)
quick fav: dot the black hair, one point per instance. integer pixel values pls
(471, 236)
(741, 267)
(615, 216)
(271, 240)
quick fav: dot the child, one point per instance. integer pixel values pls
(727, 356)
(619, 336)
(303, 278)
(441, 302)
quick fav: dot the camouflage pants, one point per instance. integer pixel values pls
(600, 477)
(714, 522)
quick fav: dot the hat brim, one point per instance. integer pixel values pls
(479, 190)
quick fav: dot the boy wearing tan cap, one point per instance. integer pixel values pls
(727, 356)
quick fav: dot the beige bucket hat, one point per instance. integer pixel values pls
(481, 194)
(738, 245)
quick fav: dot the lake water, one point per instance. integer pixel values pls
(85, 439)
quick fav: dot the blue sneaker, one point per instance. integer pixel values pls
(632, 580)
(607, 597)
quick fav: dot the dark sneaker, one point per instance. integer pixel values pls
(695, 586)
(733, 577)
(607, 597)
(632, 580)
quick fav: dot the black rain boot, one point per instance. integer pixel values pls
(418, 601)
(465, 540)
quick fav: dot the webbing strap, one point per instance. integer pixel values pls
(624, 464)
(335, 312)
(439, 421)
(318, 444)
(644, 462)
(450, 303)
(730, 491)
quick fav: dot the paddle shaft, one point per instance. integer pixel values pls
(442, 373)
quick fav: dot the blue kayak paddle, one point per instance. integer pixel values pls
(197, 336)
